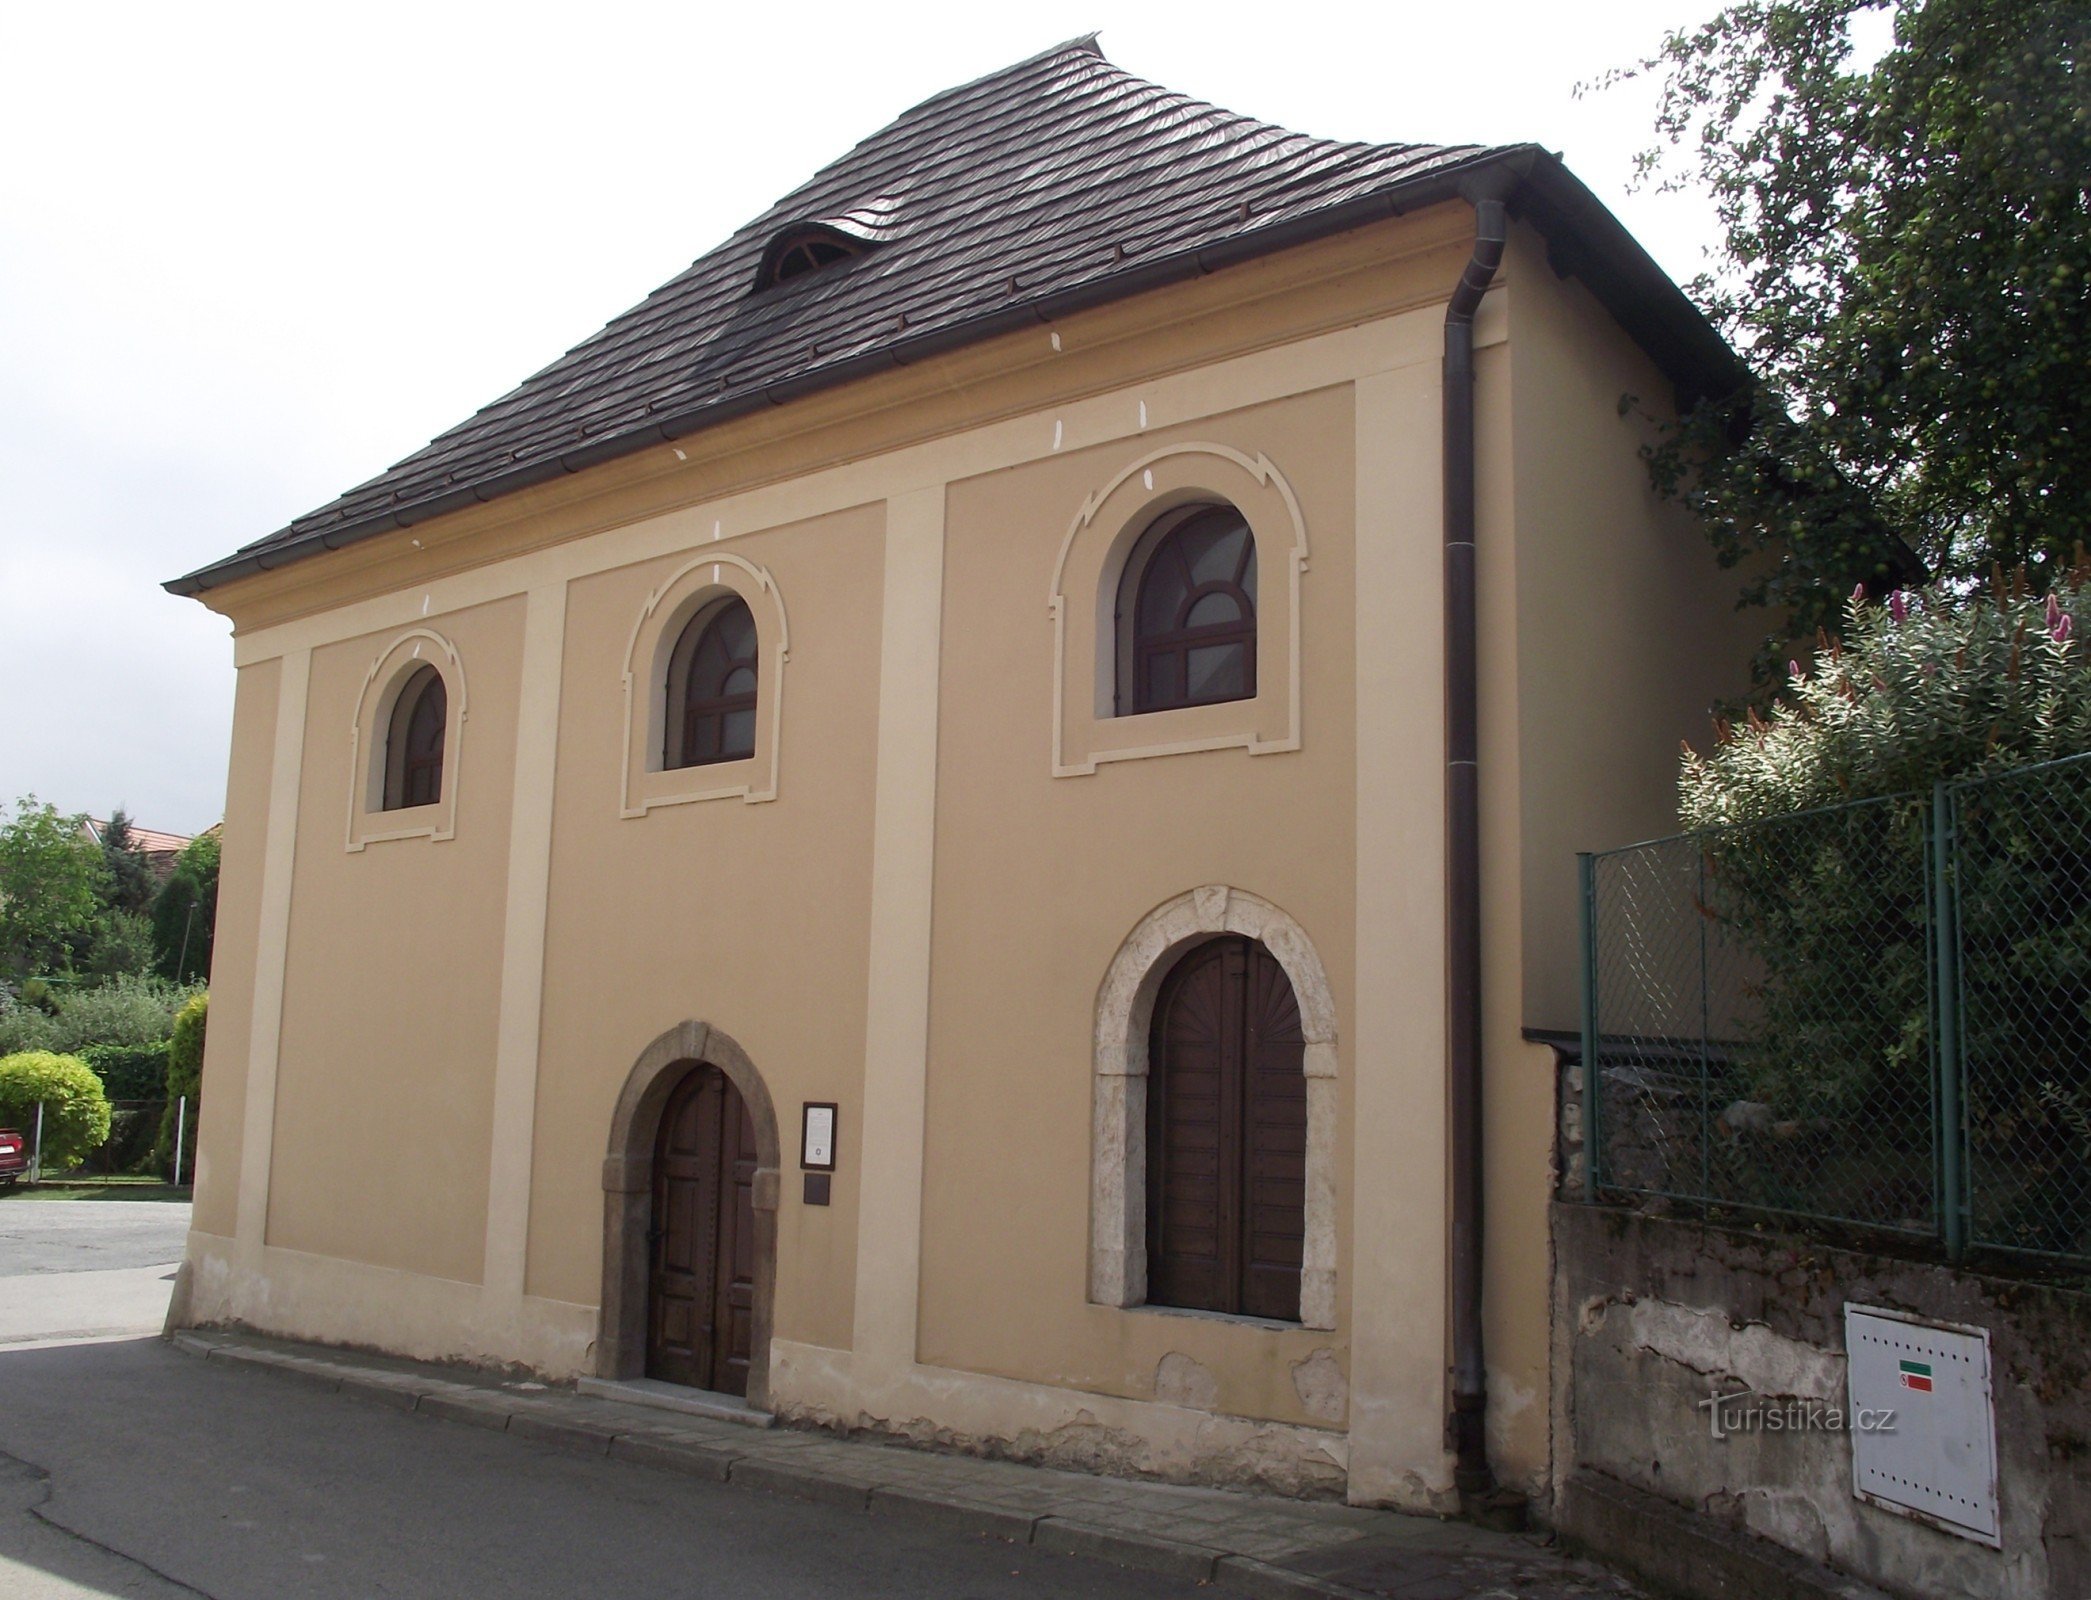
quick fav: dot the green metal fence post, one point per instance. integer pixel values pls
(1593, 1133)
(1945, 921)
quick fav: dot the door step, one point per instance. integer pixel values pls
(675, 1397)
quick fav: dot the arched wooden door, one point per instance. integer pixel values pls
(1227, 1135)
(701, 1279)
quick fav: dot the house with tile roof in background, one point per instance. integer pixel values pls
(160, 850)
(957, 825)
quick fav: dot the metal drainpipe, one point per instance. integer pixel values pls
(1468, 1423)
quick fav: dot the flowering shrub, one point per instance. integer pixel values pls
(1928, 685)
(1819, 842)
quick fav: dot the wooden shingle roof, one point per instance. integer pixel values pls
(1059, 182)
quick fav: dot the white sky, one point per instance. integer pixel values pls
(250, 255)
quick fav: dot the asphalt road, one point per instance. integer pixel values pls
(40, 1235)
(128, 1468)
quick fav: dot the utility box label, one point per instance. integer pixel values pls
(1938, 1462)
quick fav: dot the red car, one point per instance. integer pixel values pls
(14, 1157)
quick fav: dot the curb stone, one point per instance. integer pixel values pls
(576, 1438)
(781, 1478)
(674, 1455)
(967, 1516)
(1262, 1581)
(1147, 1551)
(457, 1408)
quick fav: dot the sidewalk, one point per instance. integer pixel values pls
(1252, 1544)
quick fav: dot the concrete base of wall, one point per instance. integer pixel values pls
(352, 1304)
(1684, 1552)
(1034, 1422)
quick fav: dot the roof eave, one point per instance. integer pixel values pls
(1585, 241)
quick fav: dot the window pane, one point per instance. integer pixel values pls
(736, 630)
(1162, 589)
(737, 738)
(1212, 610)
(1213, 544)
(1217, 672)
(741, 680)
(425, 731)
(1164, 680)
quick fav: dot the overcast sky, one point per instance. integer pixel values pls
(250, 255)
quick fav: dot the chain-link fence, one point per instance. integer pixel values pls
(2018, 856)
(1876, 1014)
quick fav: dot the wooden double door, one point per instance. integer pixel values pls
(1227, 1135)
(701, 1280)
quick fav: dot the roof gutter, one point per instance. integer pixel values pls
(1620, 272)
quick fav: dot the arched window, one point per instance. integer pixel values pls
(809, 255)
(711, 688)
(806, 248)
(1227, 1135)
(414, 742)
(1187, 612)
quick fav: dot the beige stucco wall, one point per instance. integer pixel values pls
(235, 952)
(917, 925)
(751, 917)
(384, 1086)
(1627, 630)
(1039, 879)
(1608, 632)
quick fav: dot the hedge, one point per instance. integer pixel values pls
(184, 1077)
(129, 1071)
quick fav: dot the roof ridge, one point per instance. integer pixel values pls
(1081, 44)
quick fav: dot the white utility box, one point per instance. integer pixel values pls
(1937, 1460)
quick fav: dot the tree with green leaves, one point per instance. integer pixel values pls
(52, 883)
(1905, 263)
(131, 884)
(185, 916)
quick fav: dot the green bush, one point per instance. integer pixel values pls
(184, 1077)
(127, 1010)
(26, 1027)
(1814, 827)
(75, 1111)
(129, 1071)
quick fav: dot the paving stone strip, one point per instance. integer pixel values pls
(1256, 1545)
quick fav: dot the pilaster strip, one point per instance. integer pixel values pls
(523, 949)
(272, 950)
(1398, 1287)
(896, 1024)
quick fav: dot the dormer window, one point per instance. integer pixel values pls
(810, 244)
(809, 253)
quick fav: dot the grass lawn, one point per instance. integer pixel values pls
(98, 1189)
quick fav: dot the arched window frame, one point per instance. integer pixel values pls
(698, 585)
(676, 731)
(1083, 604)
(372, 778)
(1118, 1146)
(415, 736)
(1136, 644)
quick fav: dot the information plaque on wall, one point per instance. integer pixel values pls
(817, 1144)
